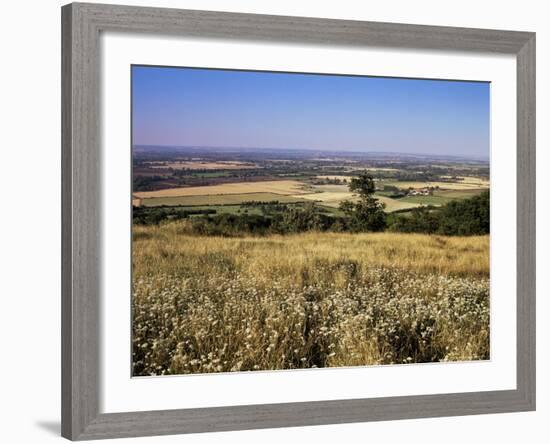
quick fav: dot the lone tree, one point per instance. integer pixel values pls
(367, 214)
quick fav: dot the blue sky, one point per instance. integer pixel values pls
(222, 108)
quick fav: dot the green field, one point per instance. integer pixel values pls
(460, 194)
(218, 199)
(225, 209)
(427, 200)
(442, 197)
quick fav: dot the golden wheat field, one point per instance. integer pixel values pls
(284, 187)
(213, 304)
(335, 198)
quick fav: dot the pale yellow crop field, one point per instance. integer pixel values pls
(284, 187)
(475, 180)
(330, 188)
(396, 204)
(333, 195)
(328, 198)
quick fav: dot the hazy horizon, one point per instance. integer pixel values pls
(313, 150)
(223, 109)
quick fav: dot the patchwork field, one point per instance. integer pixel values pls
(196, 181)
(293, 191)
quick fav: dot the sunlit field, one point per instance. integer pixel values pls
(283, 187)
(218, 304)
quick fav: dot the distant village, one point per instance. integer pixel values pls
(401, 192)
(428, 191)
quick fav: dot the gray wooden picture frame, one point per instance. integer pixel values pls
(81, 172)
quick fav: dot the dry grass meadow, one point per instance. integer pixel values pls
(213, 304)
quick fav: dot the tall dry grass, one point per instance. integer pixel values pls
(211, 304)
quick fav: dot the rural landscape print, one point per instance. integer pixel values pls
(288, 221)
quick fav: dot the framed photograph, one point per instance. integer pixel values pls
(278, 221)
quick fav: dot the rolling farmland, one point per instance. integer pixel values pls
(285, 221)
(286, 192)
(264, 263)
(329, 195)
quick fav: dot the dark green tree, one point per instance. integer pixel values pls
(296, 220)
(367, 214)
(466, 217)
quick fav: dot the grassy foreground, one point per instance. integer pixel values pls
(212, 304)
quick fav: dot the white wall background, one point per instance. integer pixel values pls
(30, 220)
